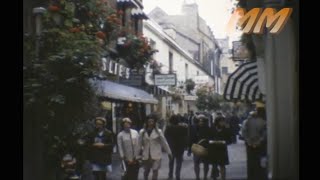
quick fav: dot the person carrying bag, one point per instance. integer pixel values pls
(200, 135)
(199, 150)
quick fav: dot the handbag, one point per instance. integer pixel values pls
(198, 150)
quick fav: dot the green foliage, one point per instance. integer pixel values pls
(207, 100)
(227, 106)
(176, 94)
(190, 84)
(57, 93)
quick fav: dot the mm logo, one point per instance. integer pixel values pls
(256, 19)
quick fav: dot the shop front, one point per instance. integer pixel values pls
(119, 101)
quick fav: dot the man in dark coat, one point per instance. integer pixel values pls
(100, 144)
(254, 133)
(176, 135)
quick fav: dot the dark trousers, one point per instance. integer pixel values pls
(132, 172)
(178, 160)
(197, 161)
(99, 175)
(214, 171)
(254, 169)
(234, 138)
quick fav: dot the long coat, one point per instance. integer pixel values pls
(152, 145)
(176, 136)
(100, 155)
(218, 153)
(129, 147)
(198, 133)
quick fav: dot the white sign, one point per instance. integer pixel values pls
(115, 68)
(165, 79)
(190, 98)
(201, 79)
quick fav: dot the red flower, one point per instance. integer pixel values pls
(120, 12)
(90, 14)
(122, 33)
(74, 30)
(141, 51)
(54, 8)
(98, 3)
(144, 39)
(118, 21)
(101, 35)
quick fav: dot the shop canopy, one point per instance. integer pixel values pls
(243, 85)
(158, 91)
(117, 91)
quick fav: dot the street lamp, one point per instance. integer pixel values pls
(38, 12)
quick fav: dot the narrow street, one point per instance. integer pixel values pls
(236, 170)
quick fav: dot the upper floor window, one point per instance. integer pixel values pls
(187, 71)
(152, 44)
(170, 62)
(224, 70)
(135, 25)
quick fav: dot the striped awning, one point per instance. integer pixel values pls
(138, 13)
(130, 3)
(243, 84)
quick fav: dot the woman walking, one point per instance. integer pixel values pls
(218, 150)
(129, 149)
(152, 141)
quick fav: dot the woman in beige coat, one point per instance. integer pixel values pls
(152, 141)
(129, 149)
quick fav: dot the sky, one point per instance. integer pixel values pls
(215, 12)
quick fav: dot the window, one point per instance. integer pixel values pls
(168, 105)
(224, 70)
(170, 62)
(136, 26)
(197, 73)
(186, 71)
(152, 44)
(123, 18)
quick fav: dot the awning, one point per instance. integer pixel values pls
(130, 3)
(243, 84)
(138, 13)
(121, 92)
(158, 91)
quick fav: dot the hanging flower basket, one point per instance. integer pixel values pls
(135, 49)
(176, 97)
(156, 67)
